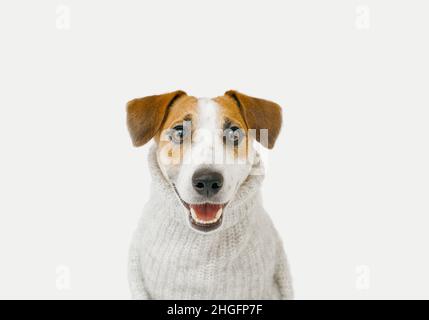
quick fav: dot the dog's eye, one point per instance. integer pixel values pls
(177, 134)
(233, 135)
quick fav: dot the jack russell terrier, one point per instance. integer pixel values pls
(204, 233)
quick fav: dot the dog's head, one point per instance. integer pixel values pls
(204, 146)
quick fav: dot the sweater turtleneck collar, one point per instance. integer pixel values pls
(238, 209)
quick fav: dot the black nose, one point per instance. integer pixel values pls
(206, 182)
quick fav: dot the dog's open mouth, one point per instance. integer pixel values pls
(204, 216)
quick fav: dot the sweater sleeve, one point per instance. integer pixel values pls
(135, 277)
(282, 276)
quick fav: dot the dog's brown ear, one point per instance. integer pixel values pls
(259, 114)
(145, 115)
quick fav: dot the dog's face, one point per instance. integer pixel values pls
(204, 146)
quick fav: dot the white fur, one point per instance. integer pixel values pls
(207, 151)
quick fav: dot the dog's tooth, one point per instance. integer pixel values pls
(218, 214)
(194, 215)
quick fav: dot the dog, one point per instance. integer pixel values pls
(204, 233)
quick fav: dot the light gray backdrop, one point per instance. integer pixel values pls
(347, 184)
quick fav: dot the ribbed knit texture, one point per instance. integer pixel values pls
(243, 259)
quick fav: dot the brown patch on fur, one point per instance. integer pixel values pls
(229, 110)
(259, 114)
(145, 115)
(183, 109)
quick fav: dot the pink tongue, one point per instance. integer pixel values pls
(206, 212)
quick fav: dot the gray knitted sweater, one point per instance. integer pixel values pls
(243, 259)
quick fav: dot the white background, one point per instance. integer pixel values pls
(347, 184)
